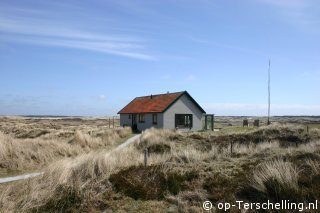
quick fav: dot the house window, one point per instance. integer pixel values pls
(141, 118)
(154, 118)
(183, 121)
(129, 116)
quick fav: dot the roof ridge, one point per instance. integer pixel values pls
(159, 94)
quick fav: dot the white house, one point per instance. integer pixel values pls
(171, 110)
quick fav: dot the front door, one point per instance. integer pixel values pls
(209, 122)
(134, 122)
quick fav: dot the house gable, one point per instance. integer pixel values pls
(192, 100)
(184, 105)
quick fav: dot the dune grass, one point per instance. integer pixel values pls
(184, 169)
(276, 172)
(34, 153)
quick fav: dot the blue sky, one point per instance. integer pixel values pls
(75, 57)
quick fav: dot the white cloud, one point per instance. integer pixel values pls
(34, 27)
(102, 97)
(261, 109)
(191, 77)
(315, 76)
(178, 80)
(286, 3)
(303, 14)
(216, 43)
(166, 77)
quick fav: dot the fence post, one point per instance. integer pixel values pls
(109, 123)
(245, 123)
(231, 147)
(307, 129)
(145, 157)
(113, 122)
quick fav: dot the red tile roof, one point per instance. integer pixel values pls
(148, 104)
(155, 103)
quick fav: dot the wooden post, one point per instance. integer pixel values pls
(231, 147)
(145, 157)
(307, 129)
(206, 122)
(212, 126)
(269, 93)
(245, 123)
(109, 123)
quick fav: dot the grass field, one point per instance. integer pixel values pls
(32, 144)
(280, 161)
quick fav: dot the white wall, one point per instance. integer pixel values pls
(183, 106)
(124, 120)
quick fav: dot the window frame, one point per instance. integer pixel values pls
(185, 126)
(141, 118)
(154, 118)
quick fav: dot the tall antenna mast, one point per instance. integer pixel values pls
(269, 93)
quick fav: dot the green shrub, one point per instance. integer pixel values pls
(149, 183)
(66, 199)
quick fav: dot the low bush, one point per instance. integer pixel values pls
(138, 182)
(149, 183)
(159, 148)
(65, 199)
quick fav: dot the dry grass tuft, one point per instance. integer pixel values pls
(189, 201)
(83, 178)
(314, 165)
(34, 153)
(283, 173)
